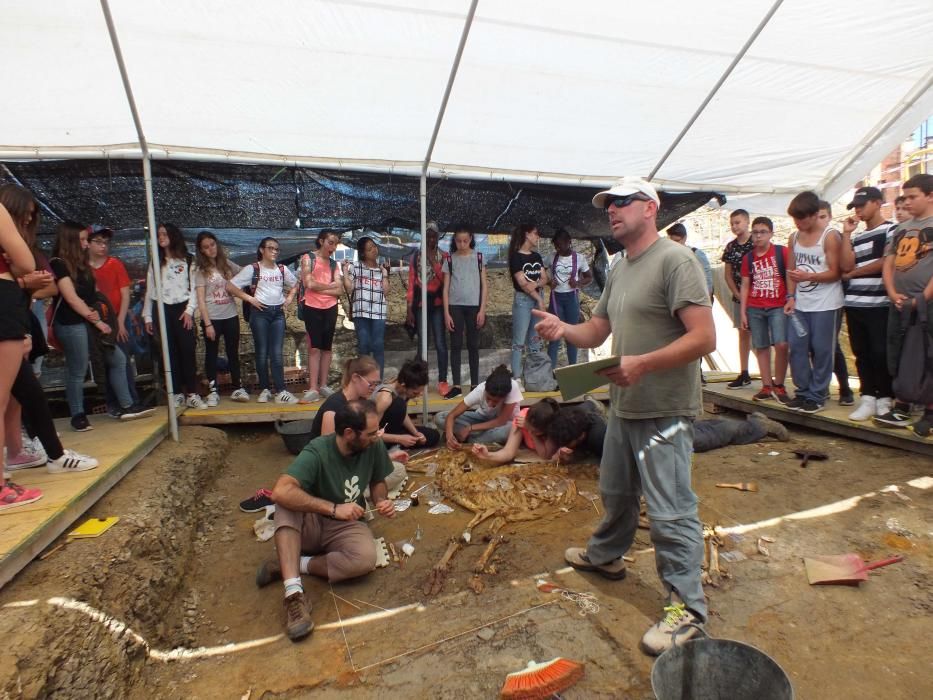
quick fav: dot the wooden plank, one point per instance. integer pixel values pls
(834, 419)
(117, 445)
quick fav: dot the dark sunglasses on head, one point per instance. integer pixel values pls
(620, 202)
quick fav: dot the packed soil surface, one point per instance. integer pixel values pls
(179, 571)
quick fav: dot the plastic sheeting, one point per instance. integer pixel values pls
(572, 92)
(225, 196)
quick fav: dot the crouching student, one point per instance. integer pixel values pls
(529, 429)
(578, 431)
(319, 504)
(485, 414)
(391, 399)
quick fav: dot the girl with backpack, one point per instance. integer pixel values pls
(529, 276)
(465, 292)
(320, 277)
(569, 273)
(267, 282)
(79, 328)
(391, 399)
(178, 300)
(367, 284)
(219, 316)
(434, 284)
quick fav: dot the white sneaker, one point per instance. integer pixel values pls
(311, 395)
(179, 400)
(326, 391)
(213, 398)
(883, 405)
(241, 395)
(285, 397)
(71, 461)
(867, 407)
(659, 637)
(26, 460)
(35, 446)
(195, 401)
(264, 396)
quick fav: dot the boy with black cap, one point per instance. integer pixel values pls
(861, 258)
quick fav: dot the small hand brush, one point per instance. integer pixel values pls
(744, 486)
(540, 681)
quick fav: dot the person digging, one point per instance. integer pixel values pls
(319, 502)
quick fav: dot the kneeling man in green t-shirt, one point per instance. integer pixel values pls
(318, 505)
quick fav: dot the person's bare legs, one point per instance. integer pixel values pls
(763, 355)
(11, 357)
(314, 365)
(325, 359)
(288, 546)
(12, 423)
(745, 346)
(780, 363)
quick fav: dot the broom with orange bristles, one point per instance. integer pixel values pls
(540, 681)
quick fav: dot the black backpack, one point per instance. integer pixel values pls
(779, 258)
(914, 380)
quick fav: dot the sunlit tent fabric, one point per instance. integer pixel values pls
(552, 92)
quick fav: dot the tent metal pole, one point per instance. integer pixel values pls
(424, 187)
(712, 93)
(150, 211)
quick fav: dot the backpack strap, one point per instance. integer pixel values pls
(750, 259)
(780, 257)
(255, 281)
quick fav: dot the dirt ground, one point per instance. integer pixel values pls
(178, 569)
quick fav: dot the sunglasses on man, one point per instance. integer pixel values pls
(621, 202)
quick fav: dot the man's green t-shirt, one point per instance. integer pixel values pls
(325, 473)
(640, 300)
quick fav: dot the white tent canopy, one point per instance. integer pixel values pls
(578, 93)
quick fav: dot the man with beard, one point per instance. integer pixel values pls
(657, 308)
(319, 503)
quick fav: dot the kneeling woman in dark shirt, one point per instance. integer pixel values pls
(391, 399)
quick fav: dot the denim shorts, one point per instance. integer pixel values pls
(768, 326)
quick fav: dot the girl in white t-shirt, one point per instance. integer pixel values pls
(219, 315)
(569, 273)
(485, 414)
(267, 281)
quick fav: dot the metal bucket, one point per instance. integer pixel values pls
(295, 434)
(704, 668)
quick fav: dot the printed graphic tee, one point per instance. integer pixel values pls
(529, 264)
(911, 247)
(325, 473)
(767, 289)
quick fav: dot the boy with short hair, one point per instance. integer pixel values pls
(732, 256)
(840, 368)
(763, 295)
(908, 273)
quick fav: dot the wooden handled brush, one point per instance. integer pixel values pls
(744, 486)
(540, 681)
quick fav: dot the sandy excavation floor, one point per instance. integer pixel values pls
(179, 570)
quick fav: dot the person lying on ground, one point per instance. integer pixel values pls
(485, 414)
(391, 399)
(579, 430)
(319, 504)
(713, 433)
(529, 430)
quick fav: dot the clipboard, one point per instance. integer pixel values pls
(576, 380)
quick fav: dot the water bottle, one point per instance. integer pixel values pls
(799, 328)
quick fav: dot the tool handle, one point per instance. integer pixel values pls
(882, 562)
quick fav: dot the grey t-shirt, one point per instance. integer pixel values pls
(912, 248)
(640, 300)
(464, 280)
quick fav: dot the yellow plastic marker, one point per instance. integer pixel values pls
(93, 527)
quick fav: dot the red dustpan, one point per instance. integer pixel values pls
(845, 569)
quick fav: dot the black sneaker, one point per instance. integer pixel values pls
(453, 393)
(895, 418)
(80, 423)
(811, 407)
(796, 404)
(257, 502)
(135, 411)
(740, 382)
(846, 398)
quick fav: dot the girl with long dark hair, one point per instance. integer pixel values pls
(529, 276)
(392, 398)
(178, 299)
(219, 315)
(367, 283)
(465, 291)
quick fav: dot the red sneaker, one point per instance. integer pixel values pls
(766, 393)
(780, 394)
(12, 495)
(443, 388)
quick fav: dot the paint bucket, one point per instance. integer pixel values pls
(704, 668)
(295, 433)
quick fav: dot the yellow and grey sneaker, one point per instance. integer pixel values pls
(659, 637)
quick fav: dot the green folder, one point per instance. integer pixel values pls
(576, 380)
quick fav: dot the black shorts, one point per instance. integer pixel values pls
(14, 317)
(320, 325)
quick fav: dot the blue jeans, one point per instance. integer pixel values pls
(268, 327)
(500, 434)
(523, 330)
(437, 329)
(811, 376)
(112, 400)
(74, 341)
(566, 305)
(370, 339)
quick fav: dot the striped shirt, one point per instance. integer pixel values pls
(868, 292)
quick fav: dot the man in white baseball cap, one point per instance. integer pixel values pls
(657, 308)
